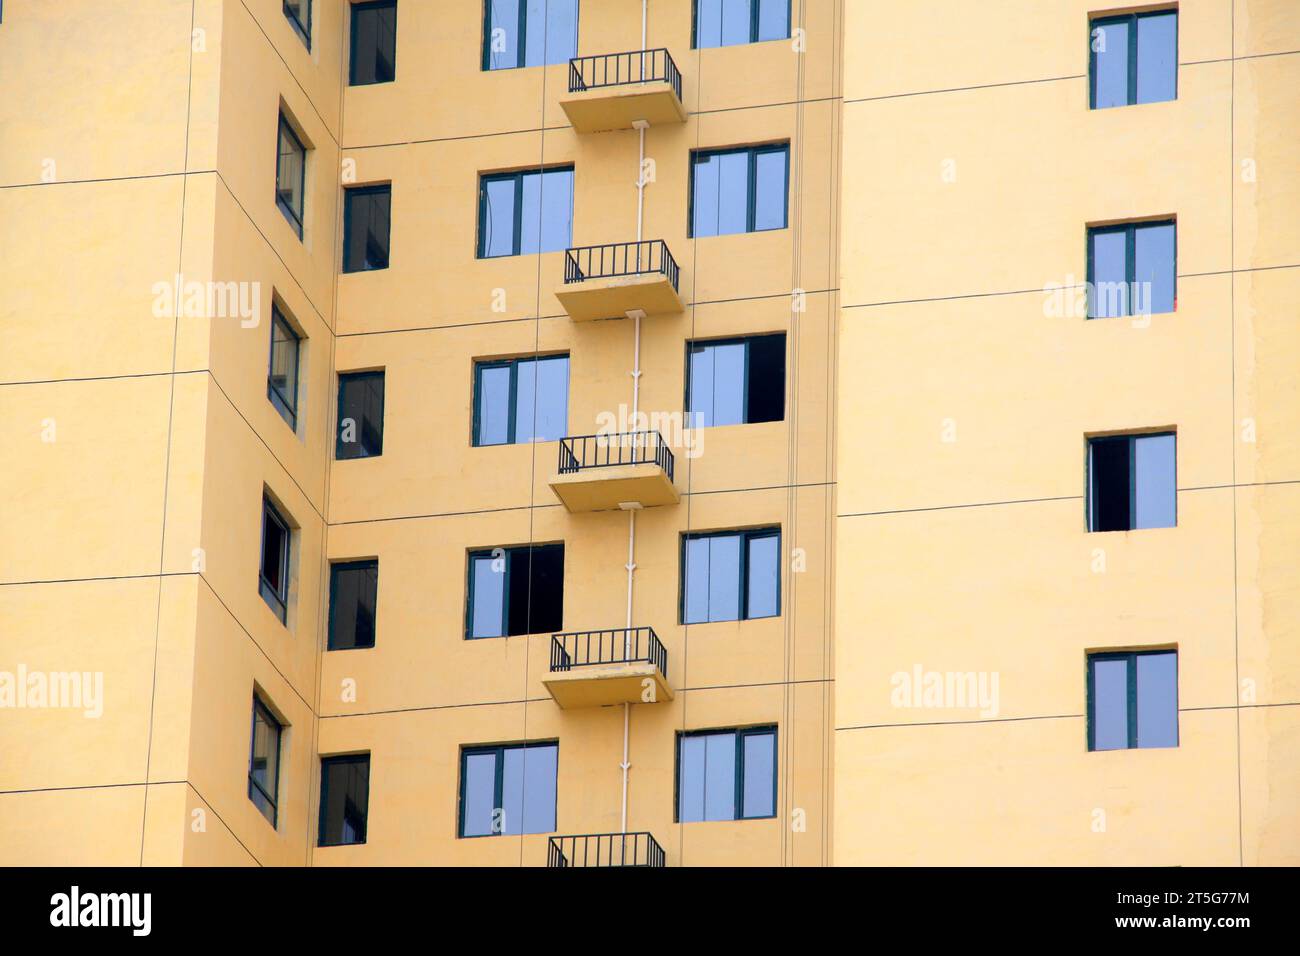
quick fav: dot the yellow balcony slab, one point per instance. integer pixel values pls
(604, 685)
(609, 487)
(616, 296)
(619, 107)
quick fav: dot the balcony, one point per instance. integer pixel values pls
(626, 470)
(604, 668)
(619, 279)
(616, 90)
(605, 849)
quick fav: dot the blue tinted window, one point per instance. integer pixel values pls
(712, 577)
(1153, 268)
(1133, 700)
(528, 789)
(1109, 282)
(529, 33)
(764, 575)
(508, 790)
(488, 584)
(731, 576)
(736, 381)
(1157, 57)
(1110, 63)
(714, 768)
(1155, 485)
(717, 384)
(478, 797)
(733, 22)
(739, 190)
(1134, 59)
(1132, 482)
(1157, 700)
(512, 591)
(1110, 704)
(524, 213)
(1132, 269)
(518, 401)
(759, 791)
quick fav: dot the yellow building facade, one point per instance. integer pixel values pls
(902, 202)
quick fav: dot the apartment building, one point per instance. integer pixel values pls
(649, 432)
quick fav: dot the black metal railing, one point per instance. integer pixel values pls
(605, 849)
(623, 69)
(620, 645)
(620, 448)
(616, 259)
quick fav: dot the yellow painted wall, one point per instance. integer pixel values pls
(963, 409)
(944, 168)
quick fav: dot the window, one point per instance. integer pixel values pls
(1132, 700)
(367, 212)
(735, 381)
(731, 575)
(517, 401)
(264, 761)
(361, 415)
(1132, 482)
(273, 578)
(726, 774)
(282, 379)
(730, 22)
(290, 175)
(354, 593)
(515, 591)
(523, 213)
(739, 190)
(508, 789)
(344, 799)
(374, 43)
(298, 13)
(1131, 269)
(529, 33)
(1134, 59)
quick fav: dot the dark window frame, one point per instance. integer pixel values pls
(746, 535)
(521, 37)
(334, 759)
(498, 787)
(339, 446)
(286, 405)
(1132, 19)
(361, 564)
(1130, 231)
(295, 217)
(745, 340)
(508, 557)
(352, 39)
(1131, 438)
(1132, 701)
(740, 733)
(302, 29)
(751, 186)
(517, 227)
(511, 425)
(277, 601)
(755, 11)
(261, 708)
(373, 189)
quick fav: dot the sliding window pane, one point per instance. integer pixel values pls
(1109, 293)
(1153, 266)
(1155, 482)
(1110, 70)
(1157, 57)
(759, 795)
(764, 576)
(1157, 700)
(479, 789)
(770, 189)
(487, 615)
(1110, 704)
